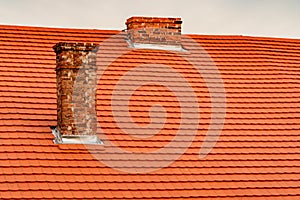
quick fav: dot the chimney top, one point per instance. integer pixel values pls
(73, 46)
(153, 32)
(158, 20)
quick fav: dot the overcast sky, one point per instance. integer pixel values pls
(275, 18)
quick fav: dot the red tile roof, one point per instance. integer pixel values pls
(255, 157)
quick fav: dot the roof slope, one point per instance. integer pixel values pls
(257, 155)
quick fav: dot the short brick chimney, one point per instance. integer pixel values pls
(76, 117)
(154, 31)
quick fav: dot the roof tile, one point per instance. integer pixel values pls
(256, 156)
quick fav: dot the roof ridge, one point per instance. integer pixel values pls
(194, 35)
(243, 37)
(54, 29)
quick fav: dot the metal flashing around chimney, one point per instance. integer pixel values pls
(156, 47)
(74, 139)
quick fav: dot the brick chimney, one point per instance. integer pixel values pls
(75, 64)
(154, 31)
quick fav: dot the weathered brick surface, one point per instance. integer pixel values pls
(154, 30)
(76, 64)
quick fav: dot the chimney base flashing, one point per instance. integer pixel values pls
(74, 139)
(156, 46)
(81, 139)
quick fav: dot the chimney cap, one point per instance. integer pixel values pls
(75, 46)
(137, 19)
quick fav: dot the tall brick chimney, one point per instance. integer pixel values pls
(76, 64)
(143, 31)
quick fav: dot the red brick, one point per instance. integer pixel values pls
(153, 30)
(76, 62)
